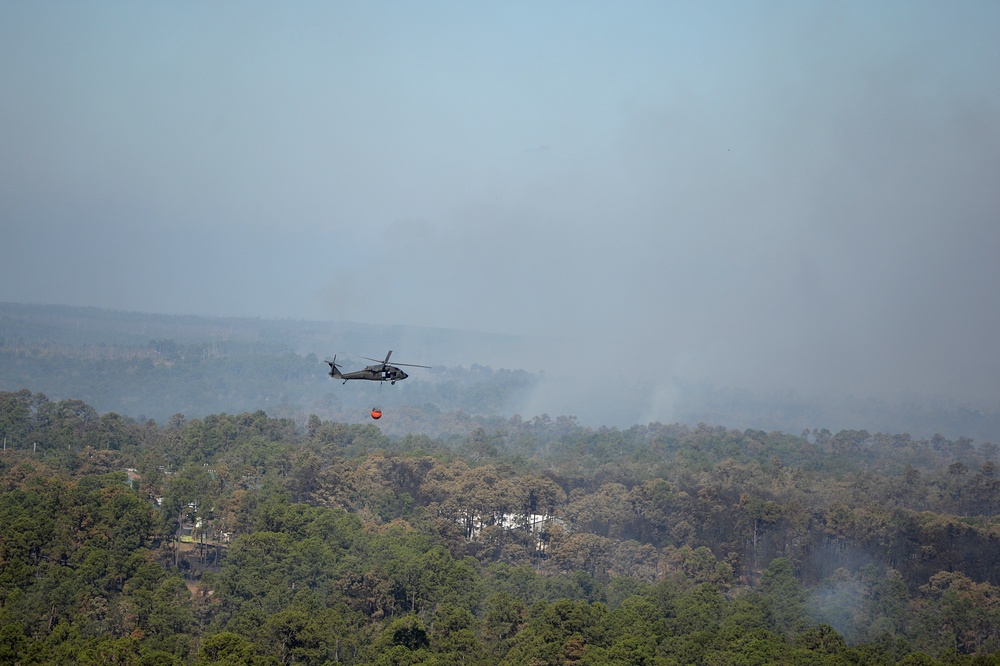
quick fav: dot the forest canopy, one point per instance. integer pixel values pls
(249, 539)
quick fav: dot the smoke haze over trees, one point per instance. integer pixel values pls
(797, 198)
(157, 366)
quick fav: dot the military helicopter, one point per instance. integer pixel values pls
(382, 372)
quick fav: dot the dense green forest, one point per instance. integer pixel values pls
(249, 539)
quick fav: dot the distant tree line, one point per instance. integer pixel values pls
(154, 366)
(164, 377)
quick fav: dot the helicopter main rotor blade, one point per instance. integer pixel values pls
(383, 361)
(386, 361)
(409, 365)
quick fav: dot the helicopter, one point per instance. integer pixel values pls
(382, 372)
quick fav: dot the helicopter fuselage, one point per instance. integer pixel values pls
(373, 373)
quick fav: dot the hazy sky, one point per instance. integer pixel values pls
(756, 194)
